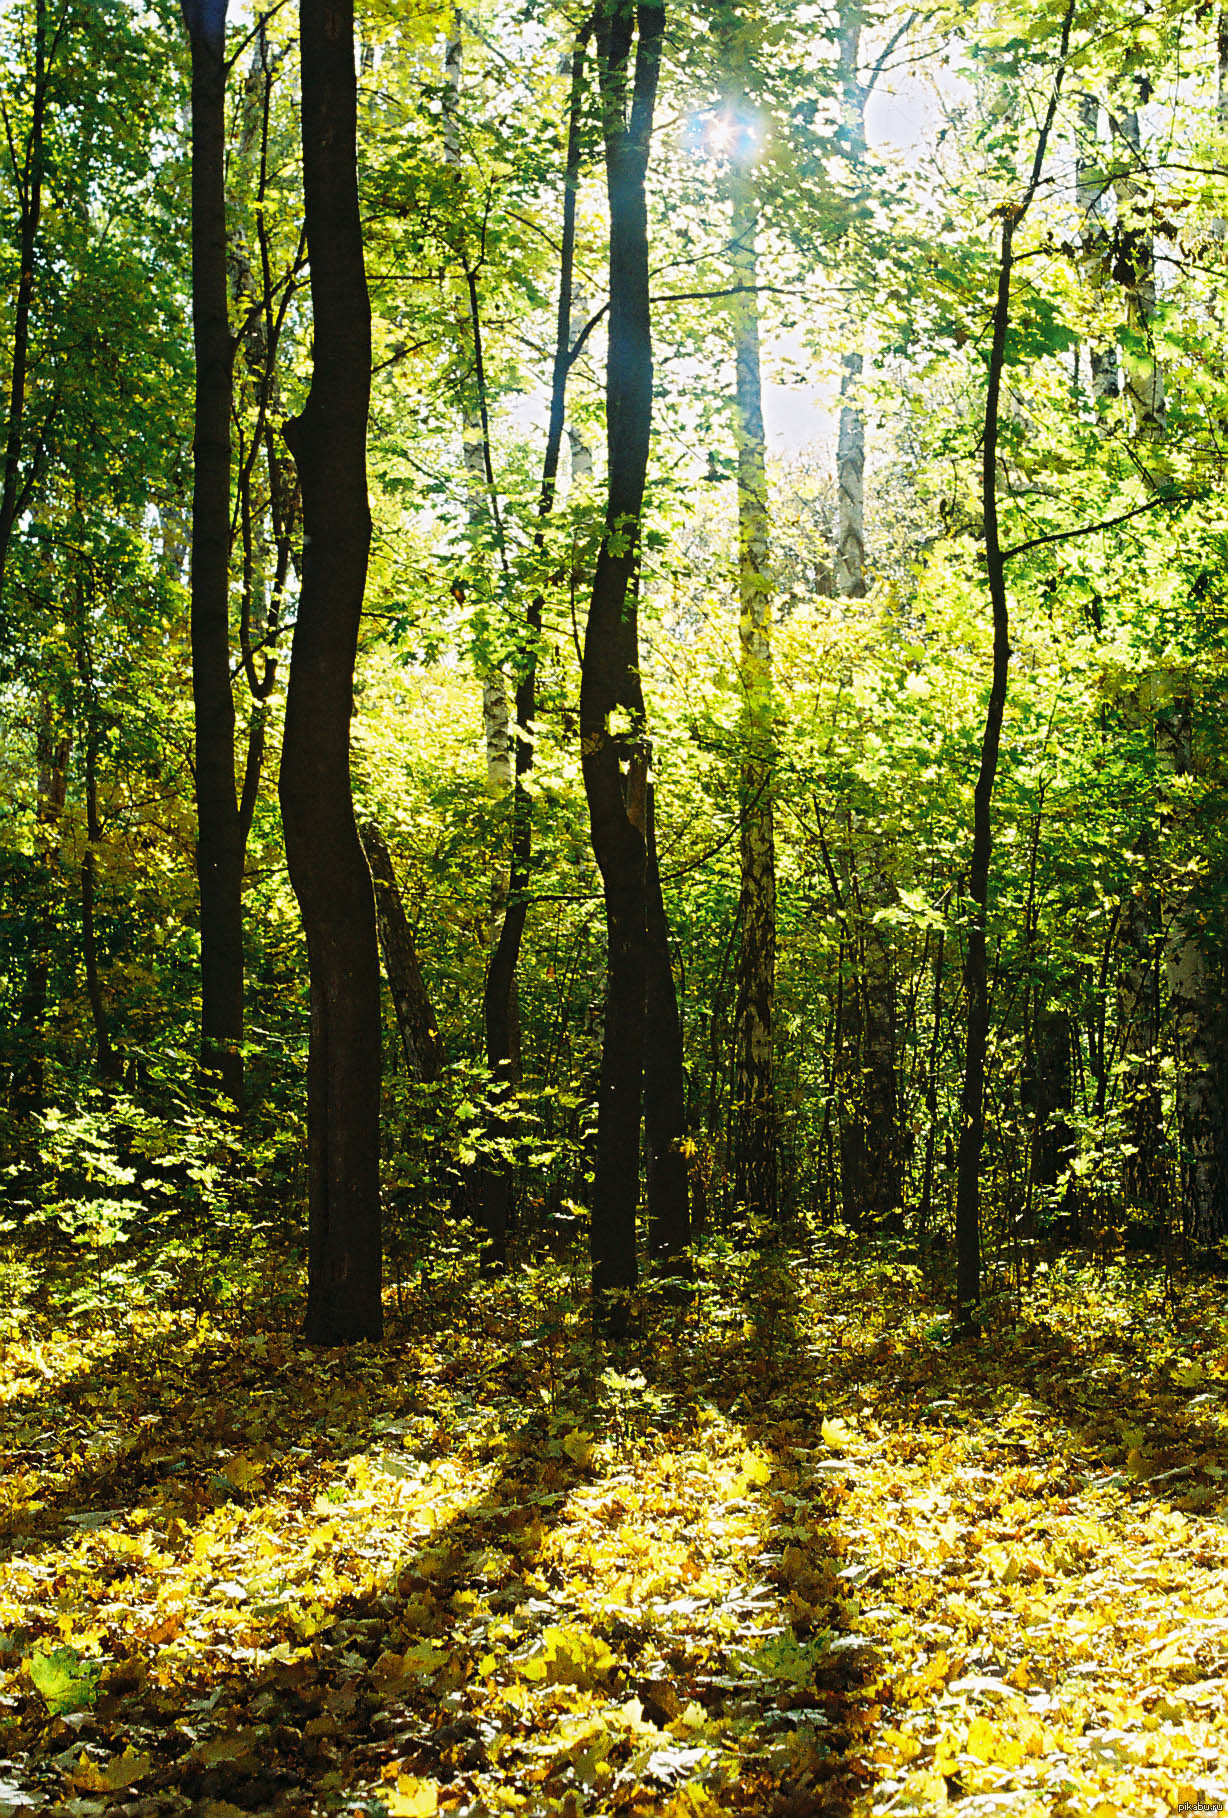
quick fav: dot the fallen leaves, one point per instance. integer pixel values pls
(244, 1576)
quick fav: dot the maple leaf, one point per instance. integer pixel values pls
(412, 1798)
(66, 1681)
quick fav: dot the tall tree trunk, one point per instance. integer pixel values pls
(976, 979)
(615, 761)
(19, 477)
(219, 843)
(754, 1136)
(327, 868)
(501, 1011)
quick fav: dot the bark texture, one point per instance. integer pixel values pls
(754, 1110)
(615, 758)
(219, 841)
(1091, 195)
(976, 978)
(1196, 1007)
(502, 1034)
(327, 867)
(21, 466)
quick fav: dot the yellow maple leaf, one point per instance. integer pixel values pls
(412, 1798)
(578, 1445)
(120, 1772)
(836, 1434)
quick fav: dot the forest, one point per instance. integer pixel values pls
(613, 908)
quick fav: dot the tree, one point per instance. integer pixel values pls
(976, 976)
(614, 749)
(754, 1135)
(219, 845)
(325, 857)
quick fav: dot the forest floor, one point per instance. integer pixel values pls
(818, 1560)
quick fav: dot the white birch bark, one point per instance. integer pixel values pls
(754, 1158)
(1092, 198)
(1195, 1009)
(1141, 372)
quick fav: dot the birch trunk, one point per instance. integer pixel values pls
(754, 1133)
(1091, 196)
(1142, 375)
(1195, 1004)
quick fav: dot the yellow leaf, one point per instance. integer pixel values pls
(122, 1771)
(836, 1434)
(755, 1468)
(568, 1655)
(1187, 1376)
(412, 1798)
(980, 1739)
(578, 1446)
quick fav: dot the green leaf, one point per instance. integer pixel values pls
(66, 1681)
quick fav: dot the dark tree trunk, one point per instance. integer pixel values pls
(219, 842)
(19, 477)
(976, 979)
(327, 868)
(410, 1000)
(615, 763)
(500, 995)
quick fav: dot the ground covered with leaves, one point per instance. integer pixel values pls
(799, 1555)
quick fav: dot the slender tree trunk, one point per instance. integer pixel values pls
(976, 979)
(501, 1011)
(18, 477)
(615, 762)
(327, 867)
(219, 843)
(754, 1137)
(1196, 1005)
(411, 1002)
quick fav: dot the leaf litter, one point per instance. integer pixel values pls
(814, 1561)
